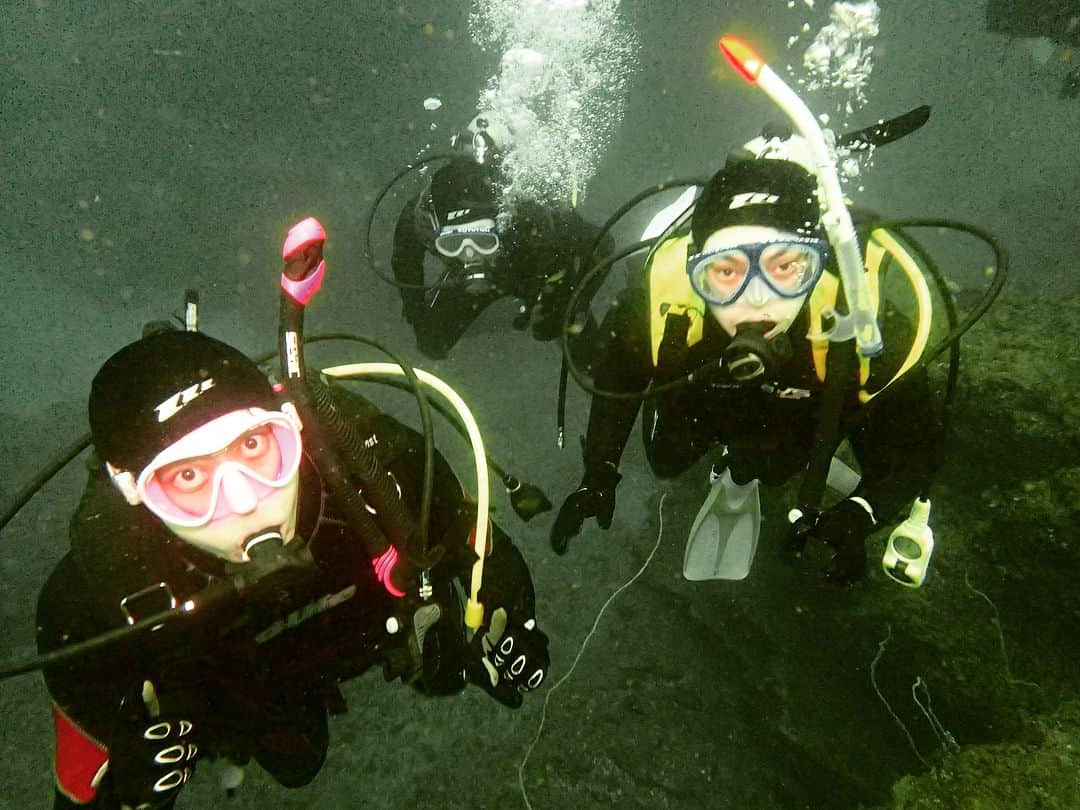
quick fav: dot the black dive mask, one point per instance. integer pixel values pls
(751, 358)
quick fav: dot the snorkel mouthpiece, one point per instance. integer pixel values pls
(271, 566)
(263, 544)
(860, 322)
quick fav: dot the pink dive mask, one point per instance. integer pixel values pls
(223, 468)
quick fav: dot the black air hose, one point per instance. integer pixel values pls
(378, 487)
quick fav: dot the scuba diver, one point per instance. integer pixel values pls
(763, 335)
(531, 251)
(735, 300)
(212, 525)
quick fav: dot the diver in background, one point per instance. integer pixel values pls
(204, 480)
(732, 299)
(533, 252)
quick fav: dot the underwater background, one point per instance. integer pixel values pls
(146, 148)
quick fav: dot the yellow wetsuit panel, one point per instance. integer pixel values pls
(670, 292)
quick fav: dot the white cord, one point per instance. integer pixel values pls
(573, 666)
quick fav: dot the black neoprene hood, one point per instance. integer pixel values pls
(774, 193)
(464, 191)
(154, 391)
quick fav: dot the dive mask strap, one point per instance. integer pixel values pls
(124, 481)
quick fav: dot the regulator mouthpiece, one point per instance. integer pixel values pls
(262, 545)
(476, 280)
(750, 357)
(272, 566)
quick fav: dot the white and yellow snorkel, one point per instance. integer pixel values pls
(860, 321)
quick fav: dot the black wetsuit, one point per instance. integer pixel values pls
(767, 429)
(256, 683)
(537, 263)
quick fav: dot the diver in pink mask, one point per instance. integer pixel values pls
(204, 488)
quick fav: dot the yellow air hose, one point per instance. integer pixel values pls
(474, 611)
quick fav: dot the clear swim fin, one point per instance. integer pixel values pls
(842, 479)
(725, 533)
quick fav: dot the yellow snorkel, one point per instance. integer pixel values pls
(860, 322)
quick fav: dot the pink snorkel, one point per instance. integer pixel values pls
(297, 279)
(301, 279)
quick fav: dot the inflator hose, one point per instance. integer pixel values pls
(369, 251)
(378, 486)
(391, 539)
(331, 467)
(474, 611)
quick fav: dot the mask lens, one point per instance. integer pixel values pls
(452, 243)
(720, 277)
(187, 490)
(790, 268)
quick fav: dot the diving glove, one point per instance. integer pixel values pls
(842, 530)
(153, 754)
(595, 497)
(510, 660)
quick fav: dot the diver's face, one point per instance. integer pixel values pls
(228, 480)
(225, 536)
(189, 483)
(471, 243)
(757, 303)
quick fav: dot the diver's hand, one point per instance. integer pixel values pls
(594, 498)
(153, 752)
(842, 530)
(510, 659)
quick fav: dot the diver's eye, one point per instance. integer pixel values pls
(725, 270)
(786, 265)
(255, 444)
(187, 479)
(789, 268)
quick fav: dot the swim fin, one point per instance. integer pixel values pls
(725, 533)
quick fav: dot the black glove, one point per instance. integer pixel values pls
(153, 753)
(842, 530)
(594, 498)
(509, 660)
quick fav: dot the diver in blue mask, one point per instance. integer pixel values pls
(729, 319)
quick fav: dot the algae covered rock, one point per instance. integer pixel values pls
(1041, 771)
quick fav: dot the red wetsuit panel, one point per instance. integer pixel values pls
(79, 759)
